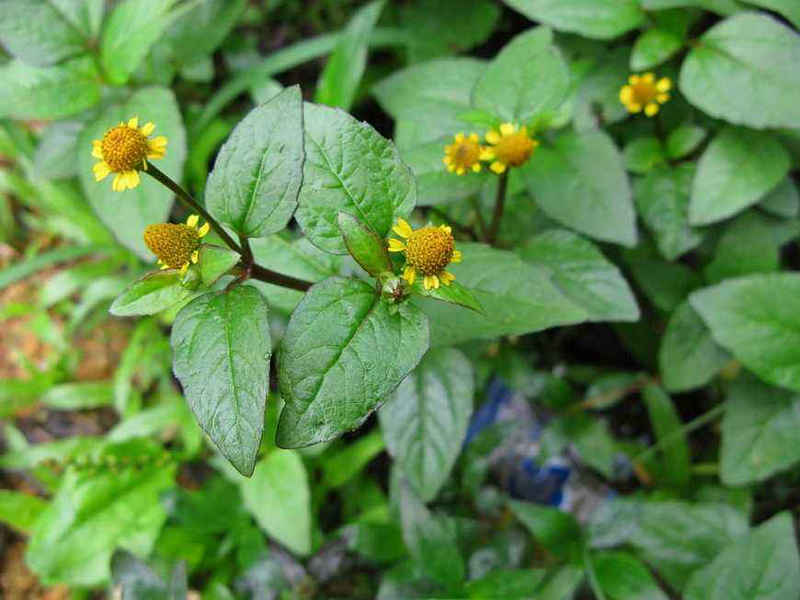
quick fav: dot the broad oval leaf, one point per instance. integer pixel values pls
(215, 261)
(279, 498)
(601, 19)
(256, 178)
(760, 432)
(151, 294)
(730, 176)
(425, 420)
(754, 55)
(128, 213)
(526, 79)
(349, 168)
(344, 350)
(582, 274)
(757, 318)
(580, 181)
(762, 565)
(621, 576)
(39, 33)
(517, 297)
(688, 357)
(221, 350)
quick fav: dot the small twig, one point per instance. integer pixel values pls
(670, 439)
(248, 265)
(499, 205)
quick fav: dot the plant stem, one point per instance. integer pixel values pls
(191, 204)
(667, 440)
(499, 205)
(479, 217)
(251, 269)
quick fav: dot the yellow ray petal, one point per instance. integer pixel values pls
(147, 128)
(459, 138)
(447, 278)
(117, 182)
(410, 275)
(476, 167)
(133, 179)
(473, 137)
(457, 256)
(195, 256)
(101, 170)
(651, 109)
(192, 220)
(497, 167)
(402, 228)
(396, 245)
(204, 229)
(492, 136)
(133, 122)
(446, 228)
(97, 149)
(507, 128)
(487, 153)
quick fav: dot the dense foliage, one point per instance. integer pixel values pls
(419, 299)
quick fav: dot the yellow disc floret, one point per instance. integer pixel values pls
(175, 244)
(464, 154)
(428, 251)
(124, 150)
(511, 146)
(643, 92)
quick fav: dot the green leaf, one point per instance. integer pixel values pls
(430, 97)
(760, 432)
(256, 178)
(279, 498)
(689, 358)
(579, 181)
(667, 426)
(128, 213)
(20, 510)
(526, 79)
(750, 244)
(751, 53)
(554, 529)
(344, 350)
(90, 516)
(622, 576)
(56, 154)
(600, 19)
(676, 538)
(151, 294)
(517, 297)
(730, 176)
(338, 82)
(787, 8)
(653, 47)
(341, 467)
(62, 90)
(215, 261)
(221, 345)
(349, 168)
(432, 31)
(129, 32)
(455, 293)
(643, 154)
(510, 584)
(662, 198)
(425, 420)
(78, 395)
(684, 140)
(200, 30)
(582, 274)
(757, 318)
(364, 245)
(39, 32)
(431, 543)
(763, 565)
(783, 200)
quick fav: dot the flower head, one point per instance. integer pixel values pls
(175, 244)
(511, 146)
(464, 154)
(644, 92)
(124, 150)
(428, 251)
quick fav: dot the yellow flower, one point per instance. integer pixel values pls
(428, 251)
(124, 150)
(644, 92)
(463, 154)
(510, 147)
(175, 244)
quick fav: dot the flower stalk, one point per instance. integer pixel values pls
(499, 207)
